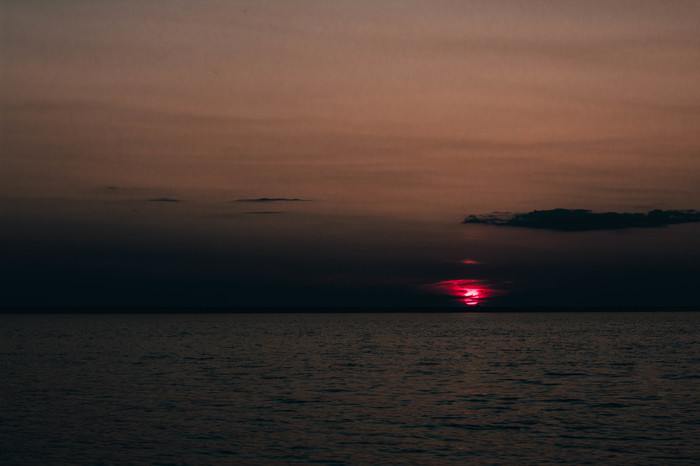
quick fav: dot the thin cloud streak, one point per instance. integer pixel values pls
(273, 199)
(164, 199)
(264, 212)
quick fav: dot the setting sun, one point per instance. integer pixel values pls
(470, 292)
(471, 296)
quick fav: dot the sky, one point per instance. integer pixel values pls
(131, 131)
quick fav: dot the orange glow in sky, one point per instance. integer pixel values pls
(130, 131)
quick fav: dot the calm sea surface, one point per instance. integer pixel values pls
(618, 388)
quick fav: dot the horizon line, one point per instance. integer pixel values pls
(5, 310)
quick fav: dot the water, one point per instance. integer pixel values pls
(619, 388)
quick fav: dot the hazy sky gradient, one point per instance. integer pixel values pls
(397, 118)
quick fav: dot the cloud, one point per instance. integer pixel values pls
(585, 220)
(264, 212)
(273, 199)
(164, 199)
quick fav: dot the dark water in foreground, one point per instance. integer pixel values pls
(619, 388)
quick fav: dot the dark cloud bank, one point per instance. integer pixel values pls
(585, 220)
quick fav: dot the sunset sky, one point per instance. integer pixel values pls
(137, 138)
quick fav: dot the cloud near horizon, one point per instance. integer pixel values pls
(585, 220)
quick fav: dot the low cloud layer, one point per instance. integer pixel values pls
(273, 199)
(585, 220)
(164, 199)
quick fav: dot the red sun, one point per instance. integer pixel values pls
(471, 296)
(470, 292)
